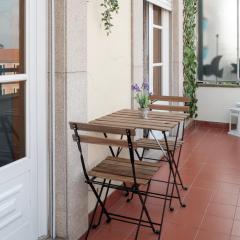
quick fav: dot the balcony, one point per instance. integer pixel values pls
(84, 72)
(210, 168)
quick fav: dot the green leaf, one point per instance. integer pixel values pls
(110, 7)
(189, 54)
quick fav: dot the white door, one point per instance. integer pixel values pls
(19, 198)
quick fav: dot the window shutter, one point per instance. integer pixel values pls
(166, 4)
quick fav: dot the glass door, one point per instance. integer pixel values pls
(12, 81)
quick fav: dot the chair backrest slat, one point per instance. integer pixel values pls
(170, 99)
(104, 141)
(173, 103)
(102, 129)
(169, 108)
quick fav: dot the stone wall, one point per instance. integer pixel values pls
(71, 105)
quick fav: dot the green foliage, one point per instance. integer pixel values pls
(110, 7)
(143, 100)
(141, 94)
(189, 54)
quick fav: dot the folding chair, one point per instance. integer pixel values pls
(136, 173)
(174, 144)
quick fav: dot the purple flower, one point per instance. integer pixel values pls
(136, 88)
(145, 86)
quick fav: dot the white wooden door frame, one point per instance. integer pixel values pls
(42, 116)
(37, 48)
(36, 115)
(39, 25)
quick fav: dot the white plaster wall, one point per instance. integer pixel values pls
(108, 68)
(214, 103)
(109, 60)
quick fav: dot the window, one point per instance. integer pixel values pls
(159, 37)
(12, 81)
(12, 47)
(218, 54)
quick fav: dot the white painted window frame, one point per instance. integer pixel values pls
(165, 49)
(165, 4)
(36, 69)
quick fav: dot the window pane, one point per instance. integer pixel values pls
(218, 40)
(11, 37)
(157, 45)
(157, 80)
(12, 122)
(157, 15)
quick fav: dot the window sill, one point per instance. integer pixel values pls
(219, 85)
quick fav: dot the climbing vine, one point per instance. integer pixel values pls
(189, 54)
(110, 7)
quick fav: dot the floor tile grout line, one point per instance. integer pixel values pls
(194, 182)
(234, 220)
(194, 149)
(194, 179)
(101, 225)
(204, 214)
(201, 166)
(130, 233)
(191, 185)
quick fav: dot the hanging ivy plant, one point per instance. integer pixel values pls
(110, 7)
(189, 54)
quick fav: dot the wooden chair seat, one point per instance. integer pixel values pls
(120, 169)
(152, 144)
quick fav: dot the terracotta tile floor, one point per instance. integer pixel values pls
(210, 166)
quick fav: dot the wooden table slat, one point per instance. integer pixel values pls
(128, 125)
(132, 119)
(138, 121)
(150, 116)
(159, 121)
(157, 113)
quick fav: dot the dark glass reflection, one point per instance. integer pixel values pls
(218, 40)
(157, 80)
(157, 37)
(12, 37)
(157, 15)
(12, 122)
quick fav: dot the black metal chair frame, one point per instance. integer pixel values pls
(175, 162)
(174, 169)
(142, 195)
(175, 166)
(169, 157)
